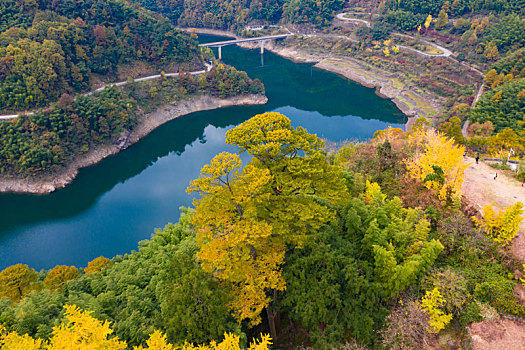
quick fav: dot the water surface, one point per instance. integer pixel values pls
(113, 205)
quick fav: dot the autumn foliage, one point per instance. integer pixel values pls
(16, 281)
(97, 264)
(443, 153)
(247, 216)
(81, 331)
(502, 226)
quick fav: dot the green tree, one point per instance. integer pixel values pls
(329, 291)
(452, 128)
(392, 239)
(193, 304)
(442, 20)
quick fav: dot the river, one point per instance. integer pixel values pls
(115, 204)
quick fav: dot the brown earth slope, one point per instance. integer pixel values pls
(481, 188)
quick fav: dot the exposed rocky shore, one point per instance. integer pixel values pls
(146, 124)
(412, 103)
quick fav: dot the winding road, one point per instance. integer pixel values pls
(118, 84)
(445, 52)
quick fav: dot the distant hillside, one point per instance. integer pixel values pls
(49, 47)
(223, 14)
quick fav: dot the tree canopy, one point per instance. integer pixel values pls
(246, 218)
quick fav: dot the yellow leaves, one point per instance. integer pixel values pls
(59, 275)
(97, 264)
(389, 134)
(263, 344)
(156, 341)
(16, 281)
(419, 28)
(443, 153)
(373, 193)
(233, 244)
(246, 219)
(431, 303)
(497, 97)
(386, 51)
(502, 226)
(231, 342)
(83, 332)
(222, 168)
(270, 136)
(428, 21)
(13, 341)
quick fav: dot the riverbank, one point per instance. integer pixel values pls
(412, 102)
(146, 124)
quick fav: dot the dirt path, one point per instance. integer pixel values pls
(118, 84)
(481, 188)
(445, 52)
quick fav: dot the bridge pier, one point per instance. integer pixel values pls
(262, 46)
(220, 53)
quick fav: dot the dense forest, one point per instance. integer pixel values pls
(299, 245)
(48, 48)
(368, 232)
(235, 15)
(52, 51)
(45, 142)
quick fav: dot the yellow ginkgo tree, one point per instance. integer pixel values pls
(432, 303)
(247, 217)
(502, 226)
(81, 331)
(440, 167)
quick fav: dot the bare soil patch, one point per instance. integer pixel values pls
(498, 334)
(481, 188)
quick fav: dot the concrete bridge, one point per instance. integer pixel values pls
(261, 39)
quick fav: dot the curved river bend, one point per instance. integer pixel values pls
(113, 205)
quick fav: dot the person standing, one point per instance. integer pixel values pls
(477, 158)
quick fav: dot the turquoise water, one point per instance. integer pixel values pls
(113, 205)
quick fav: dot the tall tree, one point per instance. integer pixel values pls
(246, 218)
(441, 152)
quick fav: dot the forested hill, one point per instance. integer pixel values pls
(49, 47)
(227, 14)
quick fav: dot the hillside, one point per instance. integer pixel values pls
(235, 15)
(403, 241)
(48, 48)
(55, 55)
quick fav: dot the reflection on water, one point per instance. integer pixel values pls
(115, 204)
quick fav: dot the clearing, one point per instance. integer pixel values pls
(480, 188)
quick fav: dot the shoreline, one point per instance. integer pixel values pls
(146, 124)
(410, 103)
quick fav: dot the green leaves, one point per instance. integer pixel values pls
(393, 239)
